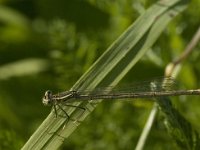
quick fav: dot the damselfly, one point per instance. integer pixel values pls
(148, 89)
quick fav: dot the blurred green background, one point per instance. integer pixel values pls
(47, 44)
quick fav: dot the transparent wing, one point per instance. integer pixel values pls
(156, 84)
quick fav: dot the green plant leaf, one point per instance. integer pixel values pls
(178, 127)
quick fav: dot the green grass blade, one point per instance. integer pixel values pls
(178, 127)
(109, 69)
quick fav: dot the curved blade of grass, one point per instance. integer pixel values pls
(178, 127)
(108, 70)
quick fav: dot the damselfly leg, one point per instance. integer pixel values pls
(52, 100)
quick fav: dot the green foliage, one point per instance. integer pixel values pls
(179, 128)
(50, 44)
(9, 140)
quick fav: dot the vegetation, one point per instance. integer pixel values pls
(51, 45)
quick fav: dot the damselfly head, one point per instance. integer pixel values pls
(47, 99)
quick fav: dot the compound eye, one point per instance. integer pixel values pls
(47, 98)
(48, 93)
